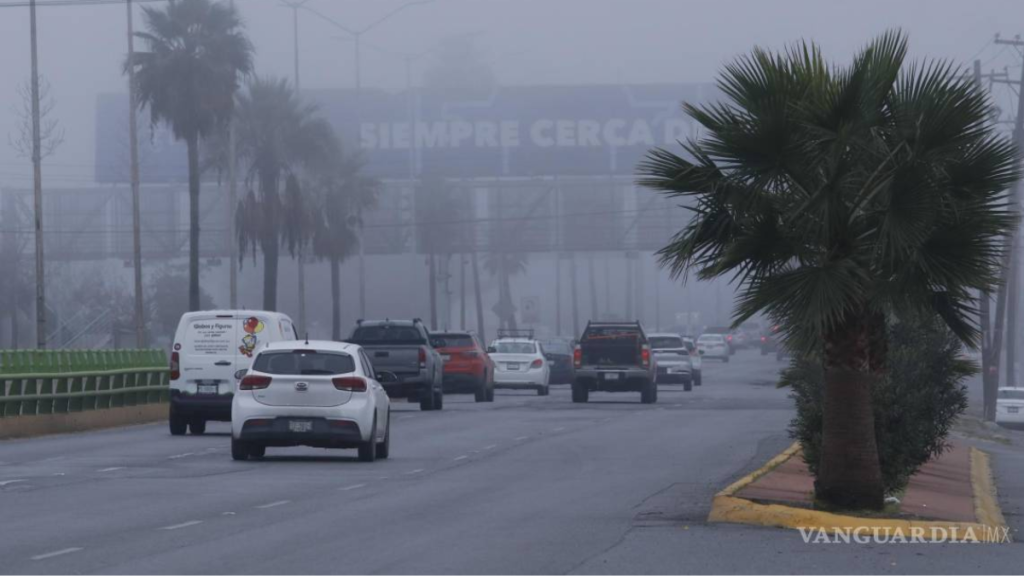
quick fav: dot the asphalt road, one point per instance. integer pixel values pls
(524, 485)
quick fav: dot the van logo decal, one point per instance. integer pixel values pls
(252, 327)
(301, 386)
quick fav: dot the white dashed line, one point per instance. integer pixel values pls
(112, 468)
(182, 525)
(227, 513)
(6, 482)
(463, 457)
(176, 456)
(522, 438)
(416, 471)
(559, 429)
(491, 447)
(352, 487)
(274, 504)
(59, 474)
(56, 553)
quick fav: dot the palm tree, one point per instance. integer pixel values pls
(345, 193)
(197, 53)
(277, 137)
(838, 197)
(504, 265)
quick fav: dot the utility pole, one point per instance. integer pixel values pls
(295, 5)
(1013, 283)
(462, 291)
(37, 186)
(232, 206)
(575, 300)
(133, 142)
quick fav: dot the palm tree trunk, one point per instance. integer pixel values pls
(335, 299)
(271, 256)
(849, 474)
(594, 313)
(432, 278)
(506, 280)
(479, 301)
(193, 223)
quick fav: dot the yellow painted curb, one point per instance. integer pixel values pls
(990, 526)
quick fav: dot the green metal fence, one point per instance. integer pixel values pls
(63, 381)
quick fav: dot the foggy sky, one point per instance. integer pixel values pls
(528, 42)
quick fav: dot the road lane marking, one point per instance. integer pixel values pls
(522, 438)
(6, 482)
(56, 553)
(227, 514)
(112, 468)
(182, 525)
(492, 446)
(353, 487)
(463, 457)
(383, 477)
(559, 429)
(176, 456)
(416, 471)
(274, 504)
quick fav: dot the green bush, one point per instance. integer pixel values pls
(915, 404)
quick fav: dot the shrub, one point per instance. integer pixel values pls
(915, 404)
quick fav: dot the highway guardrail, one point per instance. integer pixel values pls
(62, 381)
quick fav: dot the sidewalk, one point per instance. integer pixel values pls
(953, 490)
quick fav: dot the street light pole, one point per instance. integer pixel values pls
(232, 205)
(303, 328)
(133, 140)
(37, 186)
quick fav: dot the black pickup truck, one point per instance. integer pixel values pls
(614, 357)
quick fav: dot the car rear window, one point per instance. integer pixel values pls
(711, 338)
(610, 332)
(303, 363)
(516, 347)
(386, 334)
(1012, 394)
(556, 347)
(456, 340)
(665, 342)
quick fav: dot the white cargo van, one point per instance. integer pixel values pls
(208, 349)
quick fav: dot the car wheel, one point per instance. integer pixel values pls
(384, 448)
(647, 394)
(490, 393)
(368, 449)
(257, 450)
(438, 400)
(580, 393)
(427, 401)
(197, 426)
(725, 359)
(697, 380)
(239, 450)
(481, 390)
(687, 386)
(543, 391)
(764, 351)
(178, 424)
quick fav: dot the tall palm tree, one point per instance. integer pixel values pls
(838, 196)
(345, 193)
(197, 54)
(505, 265)
(278, 136)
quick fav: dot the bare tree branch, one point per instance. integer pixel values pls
(51, 134)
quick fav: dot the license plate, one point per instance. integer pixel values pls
(512, 366)
(300, 425)
(206, 389)
(446, 357)
(1013, 409)
(612, 375)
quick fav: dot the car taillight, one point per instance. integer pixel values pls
(764, 339)
(537, 363)
(645, 356)
(470, 354)
(175, 366)
(350, 383)
(577, 357)
(423, 358)
(729, 338)
(254, 383)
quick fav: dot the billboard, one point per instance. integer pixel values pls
(517, 131)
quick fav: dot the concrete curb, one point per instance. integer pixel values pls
(990, 527)
(43, 424)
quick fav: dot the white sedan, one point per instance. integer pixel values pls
(519, 364)
(713, 346)
(1010, 407)
(310, 393)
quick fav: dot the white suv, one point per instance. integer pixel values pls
(314, 393)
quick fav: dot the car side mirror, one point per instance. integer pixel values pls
(387, 377)
(240, 374)
(492, 350)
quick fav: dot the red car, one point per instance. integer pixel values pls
(467, 367)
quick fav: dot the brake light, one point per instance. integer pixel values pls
(577, 357)
(350, 383)
(423, 358)
(645, 356)
(470, 354)
(729, 337)
(175, 366)
(537, 363)
(764, 339)
(254, 382)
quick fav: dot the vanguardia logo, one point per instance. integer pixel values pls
(910, 535)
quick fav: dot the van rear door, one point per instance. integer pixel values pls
(209, 352)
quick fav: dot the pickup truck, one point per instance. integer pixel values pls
(405, 348)
(614, 357)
